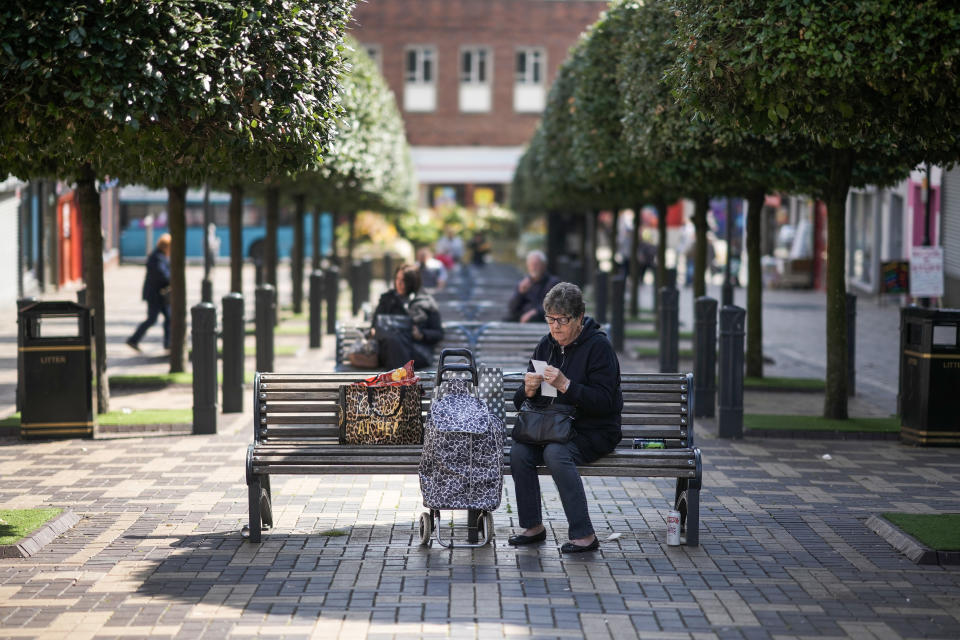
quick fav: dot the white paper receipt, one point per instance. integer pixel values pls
(546, 388)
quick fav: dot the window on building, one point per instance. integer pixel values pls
(373, 50)
(473, 65)
(420, 91)
(529, 87)
(530, 65)
(475, 74)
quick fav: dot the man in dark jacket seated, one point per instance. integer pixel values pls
(526, 305)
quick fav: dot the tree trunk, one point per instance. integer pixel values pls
(586, 260)
(270, 241)
(755, 202)
(661, 244)
(176, 212)
(296, 260)
(88, 201)
(315, 238)
(614, 223)
(835, 400)
(635, 264)
(236, 239)
(700, 205)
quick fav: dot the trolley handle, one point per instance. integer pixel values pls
(457, 366)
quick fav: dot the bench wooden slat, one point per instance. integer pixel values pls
(585, 470)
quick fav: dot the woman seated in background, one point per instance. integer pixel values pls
(583, 367)
(412, 336)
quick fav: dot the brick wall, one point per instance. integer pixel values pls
(501, 25)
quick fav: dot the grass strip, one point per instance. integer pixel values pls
(807, 384)
(164, 379)
(653, 352)
(653, 334)
(939, 531)
(17, 523)
(135, 416)
(769, 422)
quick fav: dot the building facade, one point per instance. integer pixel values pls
(471, 79)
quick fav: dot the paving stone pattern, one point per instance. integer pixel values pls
(784, 552)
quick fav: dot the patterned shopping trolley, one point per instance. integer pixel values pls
(461, 466)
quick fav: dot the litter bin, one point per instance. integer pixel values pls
(55, 379)
(929, 376)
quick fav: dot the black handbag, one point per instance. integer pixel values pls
(543, 423)
(399, 323)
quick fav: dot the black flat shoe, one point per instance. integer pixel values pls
(521, 539)
(569, 547)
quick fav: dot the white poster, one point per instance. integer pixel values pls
(926, 272)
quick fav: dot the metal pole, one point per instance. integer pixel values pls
(669, 328)
(617, 311)
(204, 355)
(266, 311)
(730, 421)
(851, 344)
(233, 353)
(332, 289)
(726, 293)
(670, 278)
(316, 305)
(207, 284)
(601, 282)
(356, 288)
(705, 357)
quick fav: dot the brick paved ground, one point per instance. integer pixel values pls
(784, 551)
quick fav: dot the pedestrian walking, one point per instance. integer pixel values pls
(156, 292)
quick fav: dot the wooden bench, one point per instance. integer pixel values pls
(509, 345)
(296, 432)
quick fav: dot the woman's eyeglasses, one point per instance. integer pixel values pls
(560, 320)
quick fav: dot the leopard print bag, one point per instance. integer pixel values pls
(388, 414)
(462, 462)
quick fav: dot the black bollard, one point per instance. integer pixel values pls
(388, 270)
(730, 421)
(331, 289)
(705, 357)
(204, 356)
(266, 312)
(601, 282)
(81, 296)
(233, 353)
(851, 344)
(316, 305)
(669, 313)
(619, 285)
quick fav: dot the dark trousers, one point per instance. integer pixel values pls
(155, 307)
(562, 461)
(395, 350)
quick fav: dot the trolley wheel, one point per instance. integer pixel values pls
(426, 528)
(485, 526)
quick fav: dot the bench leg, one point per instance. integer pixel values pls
(253, 498)
(266, 503)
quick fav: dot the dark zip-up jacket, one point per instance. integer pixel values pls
(591, 365)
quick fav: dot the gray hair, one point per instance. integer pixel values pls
(565, 298)
(539, 255)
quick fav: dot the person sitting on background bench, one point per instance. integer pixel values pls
(526, 305)
(396, 347)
